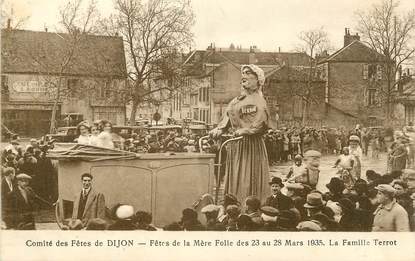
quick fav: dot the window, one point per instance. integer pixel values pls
(4, 85)
(203, 94)
(186, 99)
(196, 114)
(107, 90)
(379, 72)
(193, 99)
(409, 113)
(73, 85)
(372, 99)
(372, 71)
(204, 115)
(365, 71)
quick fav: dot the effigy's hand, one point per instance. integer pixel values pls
(215, 133)
(239, 132)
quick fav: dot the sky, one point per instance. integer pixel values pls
(268, 24)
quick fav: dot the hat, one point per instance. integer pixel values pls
(354, 138)
(233, 210)
(14, 142)
(33, 140)
(96, 224)
(276, 180)
(189, 214)
(314, 200)
(336, 184)
(372, 175)
(124, 212)
(287, 219)
(322, 218)
(385, 188)
(298, 157)
(346, 204)
(210, 208)
(258, 72)
(23, 176)
(85, 124)
(408, 174)
(294, 186)
(308, 226)
(312, 153)
(269, 211)
(231, 199)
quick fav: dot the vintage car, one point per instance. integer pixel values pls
(126, 131)
(165, 129)
(63, 134)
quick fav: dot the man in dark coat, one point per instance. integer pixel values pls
(189, 220)
(22, 201)
(212, 224)
(277, 199)
(7, 187)
(88, 203)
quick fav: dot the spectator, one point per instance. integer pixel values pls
(389, 216)
(89, 203)
(277, 199)
(124, 215)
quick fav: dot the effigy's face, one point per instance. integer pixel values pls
(249, 80)
(354, 144)
(313, 161)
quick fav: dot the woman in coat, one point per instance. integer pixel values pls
(247, 170)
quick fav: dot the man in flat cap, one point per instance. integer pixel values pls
(389, 216)
(22, 204)
(89, 203)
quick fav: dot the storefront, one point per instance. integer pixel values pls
(27, 120)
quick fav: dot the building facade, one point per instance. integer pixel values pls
(355, 81)
(83, 74)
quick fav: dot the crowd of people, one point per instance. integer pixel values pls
(18, 167)
(380, 202)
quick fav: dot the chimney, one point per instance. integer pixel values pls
(46, 29)
(348, 39)
(9, 21)
(251, 55)
(279, 49)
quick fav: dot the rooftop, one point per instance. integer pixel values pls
(24, 51)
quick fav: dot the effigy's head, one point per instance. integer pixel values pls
(312, 158)
(252, 78)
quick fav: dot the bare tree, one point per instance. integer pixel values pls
(312, 42)
(153, 32)
(9, 19)
(390, 33)
(78, 19)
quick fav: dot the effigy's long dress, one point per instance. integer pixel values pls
(247, 169)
